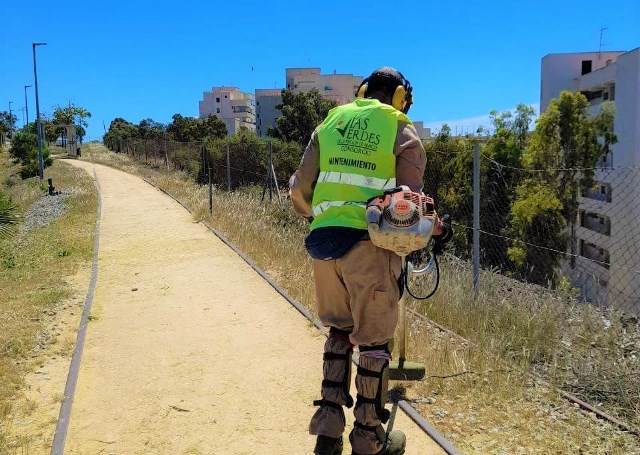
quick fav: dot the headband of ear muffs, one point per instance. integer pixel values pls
(402, 96)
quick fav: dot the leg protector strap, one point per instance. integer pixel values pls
(331, 404)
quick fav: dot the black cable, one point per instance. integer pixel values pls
(435, 288)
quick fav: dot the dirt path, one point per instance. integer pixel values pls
(188, 350)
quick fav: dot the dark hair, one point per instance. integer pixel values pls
(384, 80)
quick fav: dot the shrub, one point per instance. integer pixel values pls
(24, 149)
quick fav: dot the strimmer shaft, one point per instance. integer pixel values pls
(402, 320)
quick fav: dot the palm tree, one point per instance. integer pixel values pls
(8, 216)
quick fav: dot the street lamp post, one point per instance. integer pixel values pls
(38, 125)
(26, 104)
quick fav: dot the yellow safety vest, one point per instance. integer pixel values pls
(356, 161)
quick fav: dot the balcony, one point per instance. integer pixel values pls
(600, 192)
(595, 222)
(597, 255)
(597, 79)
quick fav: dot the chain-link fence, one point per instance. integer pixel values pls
(592, 255)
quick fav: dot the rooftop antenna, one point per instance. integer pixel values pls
(602, 29)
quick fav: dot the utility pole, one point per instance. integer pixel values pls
(26, 104)
(38, 123)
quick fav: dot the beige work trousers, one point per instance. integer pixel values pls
(359, 292)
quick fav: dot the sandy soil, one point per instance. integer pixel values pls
(188, 351)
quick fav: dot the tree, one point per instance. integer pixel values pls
(561, 154)
(24, 149)
(502, 157)
(212, 126)
(70, 115)
(448, 178)
(603, 124)
(301, 114)
(149, 129)
(189, 129)
(119, 130)
(7, 123)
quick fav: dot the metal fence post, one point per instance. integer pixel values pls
(269, 172)
(476, 218)
(210, 193)
(228, 168)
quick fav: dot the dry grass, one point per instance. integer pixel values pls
(486, 401)
(34, 267)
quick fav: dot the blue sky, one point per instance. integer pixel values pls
(142, 59)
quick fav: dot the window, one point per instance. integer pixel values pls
(586, 67)
(217, 99)
(218, 111)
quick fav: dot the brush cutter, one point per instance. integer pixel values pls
(403, 221)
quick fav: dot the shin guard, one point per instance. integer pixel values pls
(372, 381)
(329, 419)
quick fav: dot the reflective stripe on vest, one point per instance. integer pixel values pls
(365, 181)
(320, 208)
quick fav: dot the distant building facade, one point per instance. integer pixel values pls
(340, 88)
(266, 112)
(258, 112)
(235, 108)
(607, 235)
(423, 133)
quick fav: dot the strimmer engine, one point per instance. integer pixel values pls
(401, 220)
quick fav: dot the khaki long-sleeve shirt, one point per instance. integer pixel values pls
(410, 165)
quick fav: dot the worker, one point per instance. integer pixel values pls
(359, 151)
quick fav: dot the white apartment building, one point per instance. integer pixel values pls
(340, 88)
(235, 108)
(607, 235)
(266, 113)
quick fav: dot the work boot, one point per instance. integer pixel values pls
(328, 446)
(394, 445)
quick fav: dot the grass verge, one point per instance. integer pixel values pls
(53, 241)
